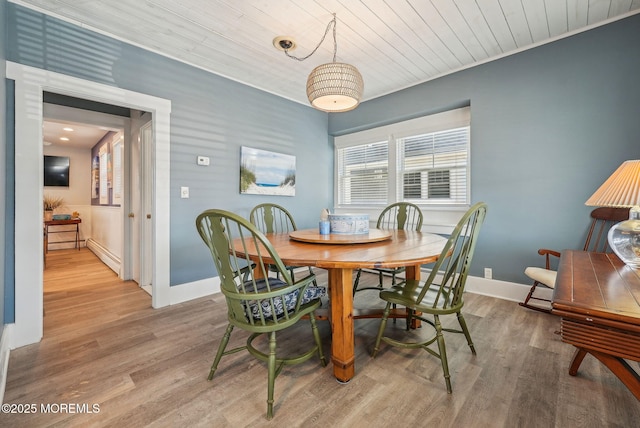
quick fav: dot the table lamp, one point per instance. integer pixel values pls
(622, 190)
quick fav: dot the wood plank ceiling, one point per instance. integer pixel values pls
(394, 43)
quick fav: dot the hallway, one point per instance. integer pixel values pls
(80, 291)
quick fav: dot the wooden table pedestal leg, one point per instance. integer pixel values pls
(413, 272)
(342, 338)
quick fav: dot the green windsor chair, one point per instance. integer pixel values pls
(257, 303)
(273, 218)
(442, 292)
(400, 215)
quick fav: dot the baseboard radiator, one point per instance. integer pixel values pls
(106, 256)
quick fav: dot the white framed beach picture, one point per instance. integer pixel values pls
(267, 173)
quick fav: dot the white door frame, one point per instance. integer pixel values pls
(30, 83)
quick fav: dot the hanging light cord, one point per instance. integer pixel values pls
(335, 44)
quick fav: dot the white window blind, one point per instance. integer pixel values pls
(363, 172)
(432, 167)
(424, 161)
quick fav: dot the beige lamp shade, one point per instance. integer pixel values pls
(622, 189)
(335, 87)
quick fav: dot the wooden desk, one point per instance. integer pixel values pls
(404, 248)
(598, 298)
(71, 222)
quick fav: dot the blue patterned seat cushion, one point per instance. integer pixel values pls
(311, 293)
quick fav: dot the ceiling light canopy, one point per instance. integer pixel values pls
(333, 87)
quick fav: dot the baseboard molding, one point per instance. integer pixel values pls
(505, 290)
(193, 290)
(106, 256)
(5, 340)
(500, 289)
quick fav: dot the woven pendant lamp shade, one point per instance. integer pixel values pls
(335, 87)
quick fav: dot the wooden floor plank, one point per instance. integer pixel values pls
(103, 344)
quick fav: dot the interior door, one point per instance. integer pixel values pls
(139, 216)
(146, 268)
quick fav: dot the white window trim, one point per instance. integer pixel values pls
(437, 219)
(433, 123)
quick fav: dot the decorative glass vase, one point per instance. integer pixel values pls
(624, 239)
(48, 215)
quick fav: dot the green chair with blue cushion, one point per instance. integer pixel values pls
(441, 294)
(257, 303)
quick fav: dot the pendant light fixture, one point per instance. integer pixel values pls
(332, 87)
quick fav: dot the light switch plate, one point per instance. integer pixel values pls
(184, 192)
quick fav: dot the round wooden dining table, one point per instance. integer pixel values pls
(340, 255)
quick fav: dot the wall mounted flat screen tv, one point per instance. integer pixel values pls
(56, 171)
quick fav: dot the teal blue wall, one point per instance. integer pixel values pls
(210, 116)
(548, 126)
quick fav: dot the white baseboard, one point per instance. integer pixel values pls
(487, 287)
(193, 290)
(106, 256)
(5, 340)
(505, 290)
(501, 289)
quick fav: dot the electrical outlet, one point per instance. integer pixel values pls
(488, 273)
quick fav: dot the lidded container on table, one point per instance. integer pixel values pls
(349, 224)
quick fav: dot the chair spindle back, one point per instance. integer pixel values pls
(602, 219)
(454, 263)
(272, 218)
(401, 215)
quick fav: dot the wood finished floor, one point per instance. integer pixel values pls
(104, 344)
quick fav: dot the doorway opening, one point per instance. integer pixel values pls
(30, 84)
(109, 184)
